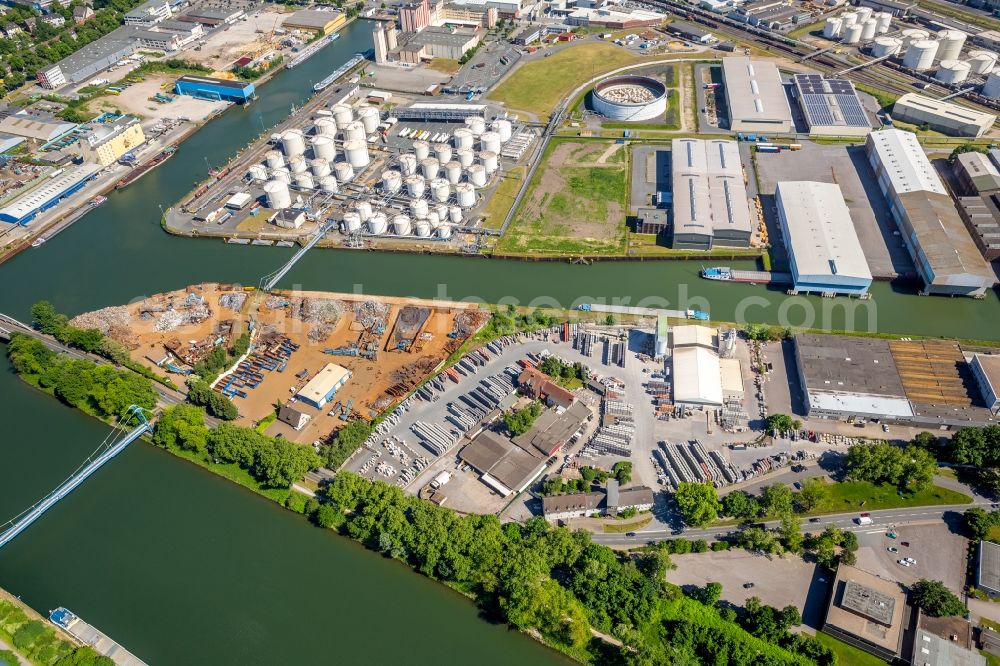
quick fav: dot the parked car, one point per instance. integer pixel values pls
(747, 585)
(892, 549)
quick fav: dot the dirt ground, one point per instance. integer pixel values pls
(135, 100)
(240, 39)
(173, 328)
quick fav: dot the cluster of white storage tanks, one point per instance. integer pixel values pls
(860, 24)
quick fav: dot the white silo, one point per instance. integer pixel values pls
(864, 13)
(369, 117)
(477, 175)
(429, 167)
(442, 211)
(503, 127)
(352, 222)
(277, 195)
(378, 224)
(952, 72)
(885, 46)
(465, 194)
(281, 174)
(297, 164)
(422, 229)
(408, 164)
(421, 149)
(433, 219)
(342, 114)
(951, 43)
(463, 138)
(415, 185)
(453, 172)
(275, 139)
(490, 141)
(852, 33)
(920, 54)
(443, 152)
(440, 189)
(831, 29)
(356, 153)
(363, 208)
(304, 181)
(257, 172)
(326, 127)
(982, 62)
(465, 157)
(320, 167)
(274, 159)
(355, 131)
(455, 215)
(847, 19)
(418, 209)
(329, 185)
(391, 181)
(911, 35)
(884, 22)
(401, 225)
(444, 231)
(477, 124)
(490, 162)
(868, 29)
(323, 146)
(293, 143)
(343, 171)
(992, 87)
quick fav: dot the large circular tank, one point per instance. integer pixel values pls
(326, 127)
(343, 171)
(884, 21)
(463, 138)
(281, 174)
(465, 194)
(982, 62)
(422, 229)
(369, 117)
(378, 224)
(297, 164)
(477, 175)
(415, 185)
(952, 72)
(503, 127)
(342, 114)
(864, 13)
(257, 172)
(455, 215)
(490, 141)
(477, 124)
(277, 195)
(453, 172)
(440, 189)
(363, 208)
(293, 142)
(356, 153)
(992, 87)
(352, 222)
(408, 164)
(320, 167)
(429, 167)
(401, 225)
(392, 180)
(323, 146)
(442, 211)
(868, 29)
(628, 97)
(443, 152)
(421, 149)
(831, 29)
(951, 43)
(433, 218)
(920, 54)
(355, 131)
(444, 231)
(847, 19)
(274, 159)
(852, 33)
(418, 209)
(490, 162)
(885, 46)
(465, 157)
(910, 35)
(304, 180)
(329, 184)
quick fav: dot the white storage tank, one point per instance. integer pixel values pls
(910, 35)
(326, 127)
(329, 185)
(440, 189)
(444, 231)
(847, 19)
(277, 195)
(920, 54)
(951, 43)
(455, 215)
(320, 167)
(356, 153)
(992, 87)
(363, 207)
(369, 117)
(418, 209)
(423, 229)
(281, 174)
(415, 185)
(453, 172)
(864, 13)
(354, 131)
(429, 167)
(408, 164)
(490, 162)
(378, 224)
(477, 175)
(323, 146)
(293, 142)
(275, 139)
(274, 159)
(465, 194)
(304, 180)
(257, 172)
(401, 225)
(982, 62)
(884, 22)
(831, 29)
(433, 219)
(392, 181)
(421, 149)
(352, 222)
(885, 46)
(503, 127)
(297, 164)
(343, 171)
(952, 72)
(868, 29)
(852, 33)
(490, 141)
(465, 157)
(463, 138)
(342, 114)
(443, 152)
(477, 124)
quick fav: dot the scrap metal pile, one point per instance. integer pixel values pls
(113, 322)
(322, 315)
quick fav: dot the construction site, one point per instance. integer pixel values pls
(317, 360)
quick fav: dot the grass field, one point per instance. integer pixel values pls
(503, 198)
(621, 528)
(848, 654)
(863, 496)
(538, 86)
(444, 65)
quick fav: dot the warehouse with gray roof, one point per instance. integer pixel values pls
(756, 96)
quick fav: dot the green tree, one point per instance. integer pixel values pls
(609, 320)
(520, 421)
(740, 505)
(780, 422)
(812, 494)
(710, 594)
(978, 522)
(791, 532)
(46, 319)
(698, 503)
(182, 426)
(622, 471)
(776, 500)
(910, 468)
(935, 599)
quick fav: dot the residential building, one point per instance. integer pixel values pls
(755, 96)
(82, 14)
(55, 20)
(321, 388)
(945, 117)
(536, 384)
(608, 501)
(104, 143)
(293, 417)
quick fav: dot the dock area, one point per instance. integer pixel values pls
(94, 637)
(642, 312)
(761, 277)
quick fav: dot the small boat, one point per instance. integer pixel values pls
(97, 201)
(39, 242)
(717, 273)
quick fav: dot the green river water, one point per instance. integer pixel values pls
(183, 567)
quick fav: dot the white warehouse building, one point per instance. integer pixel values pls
(756, 96)
(823, 248)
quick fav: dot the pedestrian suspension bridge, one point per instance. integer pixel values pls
(131, 426)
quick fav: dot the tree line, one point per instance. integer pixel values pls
(39, 642)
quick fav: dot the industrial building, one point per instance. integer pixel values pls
(866, 611)
(981, 215)
(700, 377)
(755, 96)
(529, 33)
(65, 182)
(830, 106)
(9, 142)
(91, 59)
(315, 20)
(436, 42)
(148, 13)
(824, 253)
(988, 568)
(34, 124)
(212, 17)
(320, 389)
(945, 117)
(944, 253)
(630, 98)
(474, 15)
(986, 370)
(602, 502)
(944, 641)
(104, 142)
(691, 32)
(205, 87)
(976, 174)
(414, 16)
(651, 221)
(710, 204)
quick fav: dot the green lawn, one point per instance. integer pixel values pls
(444, 65)
(621, 528)
(863, 496)
(994, 536)
(848, 654)
(503, 198)
(538, 86)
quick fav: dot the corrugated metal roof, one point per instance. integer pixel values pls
(697, 376)
(708, 188)
(905, 162)
(754, 90)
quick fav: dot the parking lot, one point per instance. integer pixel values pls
(486, 68)
(650, 173)
(938, 550)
